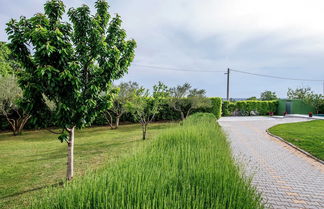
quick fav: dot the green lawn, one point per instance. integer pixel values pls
(37, 159)
(306, 135)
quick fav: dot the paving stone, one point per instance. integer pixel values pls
(285, 177)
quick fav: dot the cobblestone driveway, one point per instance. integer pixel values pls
(285, 177)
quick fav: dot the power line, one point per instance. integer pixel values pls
(276, 77)
(222, 71)
(179, 69)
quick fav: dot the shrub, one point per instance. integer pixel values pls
(246, 107)
(189, 166)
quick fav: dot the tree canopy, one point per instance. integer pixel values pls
(70, 64)
(298, 93)
(124, 95)
(184, 99)
(268, 96)
(145, 105)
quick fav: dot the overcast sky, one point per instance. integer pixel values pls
(277, 37)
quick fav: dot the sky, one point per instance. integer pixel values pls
(278, 38)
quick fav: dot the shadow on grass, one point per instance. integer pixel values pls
(60, 183)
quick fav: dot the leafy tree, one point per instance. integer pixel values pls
(184, 99)
(252, 98)
(144, 105)
(268, 96)
(70, 64)
(10, 97)
(298, 93)
(315, 100)
(124, 95)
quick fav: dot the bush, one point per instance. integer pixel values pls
(189, 166)
(246, 107)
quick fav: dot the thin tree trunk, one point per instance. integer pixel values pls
(144, 128)
(22, 122)
(109, 120)
(188, 112)
(117, 121)
(182, 116)
(69, 173)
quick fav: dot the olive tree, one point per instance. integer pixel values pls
(268, 96)
(70, 64)
(10, 97)
(184, 99)
(315, 100)
(144, 105)
(298, 93)
(124, 95)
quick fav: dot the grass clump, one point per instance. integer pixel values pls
(188, 166)
(306, 135)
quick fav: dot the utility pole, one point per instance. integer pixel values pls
(228, 80)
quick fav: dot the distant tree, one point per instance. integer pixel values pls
(125, 93)
(315, 100)
(252, 98)
(144, 105)
(268, 95)
(70, 64)
(184, 99)
(299, 93)
(10, 96)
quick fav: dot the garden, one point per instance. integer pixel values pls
(71, 137)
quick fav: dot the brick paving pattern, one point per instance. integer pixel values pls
(285, 177)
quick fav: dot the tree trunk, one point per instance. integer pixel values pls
(18, 124)
(144, 128)
(109, 119)
(69, 173)
(182, 116)
(117, 121)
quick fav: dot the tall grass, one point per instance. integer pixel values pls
(188, 166)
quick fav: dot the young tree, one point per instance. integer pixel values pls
(70, 64)
(298, 93)
(144, 106)
(268, 95)
(10, 96)
(315, 100)
(184, 99)
(119, 107)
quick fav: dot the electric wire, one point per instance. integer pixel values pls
(179, 69)
(222, 71)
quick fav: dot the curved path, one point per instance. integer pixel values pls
(285, 177)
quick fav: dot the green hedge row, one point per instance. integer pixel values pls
(246, 107)
(166, 113)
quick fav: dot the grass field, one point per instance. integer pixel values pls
(306, 135)
(188, 166)
(37, 159)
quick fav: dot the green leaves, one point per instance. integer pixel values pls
(64, 137)
(71, 64)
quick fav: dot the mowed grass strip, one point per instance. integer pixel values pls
(37, 159)
(305, 135)
(188, 166)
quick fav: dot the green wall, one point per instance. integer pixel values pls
(297, 107)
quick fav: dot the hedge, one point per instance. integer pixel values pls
(248, 106)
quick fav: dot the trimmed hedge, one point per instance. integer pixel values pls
(247, 106)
